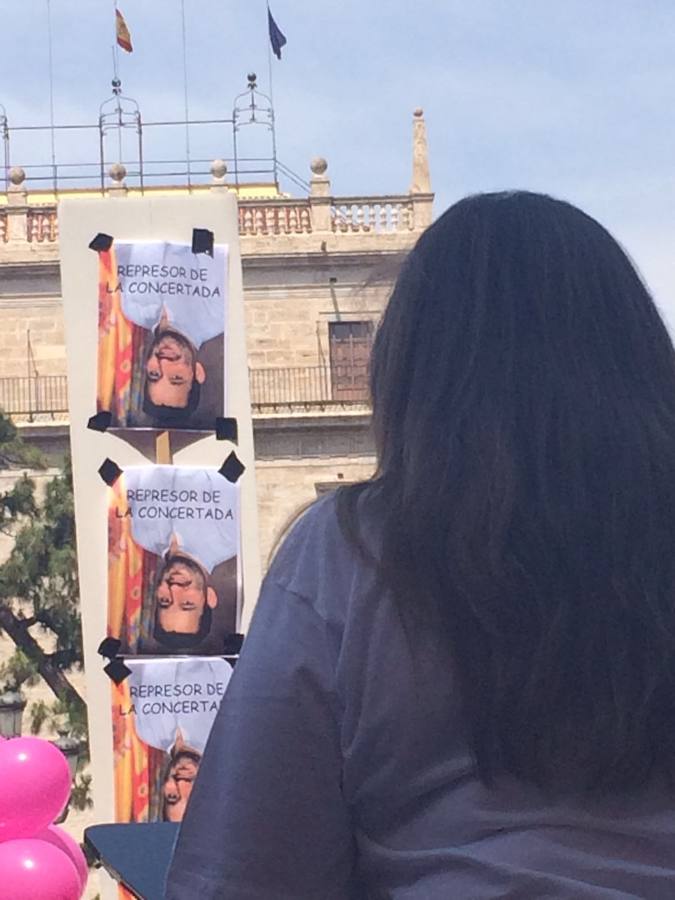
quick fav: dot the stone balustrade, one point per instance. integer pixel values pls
(274, 217)
(379, 215)
(257, 218)
(42, 225)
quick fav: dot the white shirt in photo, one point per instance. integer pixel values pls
(177, 695)
(168, 501)
(145, 295)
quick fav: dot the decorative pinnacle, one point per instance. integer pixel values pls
(117, 172)
(17, 175)
(318, 165)
(218, 168)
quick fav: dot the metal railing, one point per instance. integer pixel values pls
(272, 390)
(149, 149)
(43, 395)
(308, 387)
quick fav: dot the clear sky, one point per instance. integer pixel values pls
(574, 98)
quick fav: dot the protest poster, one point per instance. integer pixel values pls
(162, 217)
(173, 560)
(162, 326)
(162, 714)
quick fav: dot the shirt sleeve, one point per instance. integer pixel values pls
(201, 315)
(267, 819)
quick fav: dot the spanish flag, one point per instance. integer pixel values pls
(122, 32)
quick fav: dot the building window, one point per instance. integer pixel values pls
(350, 344)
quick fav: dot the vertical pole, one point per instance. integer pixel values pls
(139, 126)
(5, 140)
(117, 83)
(51, 95)
(101, 151)
(234, 146)
(185, 89)
(163, 448)
(115, 48)
(269, 57)
(32, 391)
(119, 131)
(28, 368)
(271, 83)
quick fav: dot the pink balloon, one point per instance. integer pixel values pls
(68, 845)
(36, 870)
(35, 786)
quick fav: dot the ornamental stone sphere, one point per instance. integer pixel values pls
(17, 175)
(117, 172)
(218, 168)
(318, 165)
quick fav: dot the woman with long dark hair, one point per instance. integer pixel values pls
(460, 677)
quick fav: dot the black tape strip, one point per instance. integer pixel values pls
(232, 644)
(109, 647)
(109, 472)
(117, 671)
(100, 422)
(227, 429)
(101, 242)
(232, 468)
(202, 241)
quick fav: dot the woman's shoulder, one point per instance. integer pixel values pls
(316, 560)
(314, 535)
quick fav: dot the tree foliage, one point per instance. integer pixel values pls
(39, 595)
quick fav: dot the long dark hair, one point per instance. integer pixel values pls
(523, 389)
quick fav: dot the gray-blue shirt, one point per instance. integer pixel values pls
(338, 768)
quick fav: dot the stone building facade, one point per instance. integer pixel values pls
(317, 271)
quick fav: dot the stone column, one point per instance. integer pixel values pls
(420, 187)
(320, 200)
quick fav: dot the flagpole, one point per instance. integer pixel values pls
(117, 83)
(114, 59)
(270, 69)
(51, 94)
(185, 90)
(116, 51)
(269, 61)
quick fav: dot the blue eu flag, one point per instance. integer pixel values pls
(277, 37)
